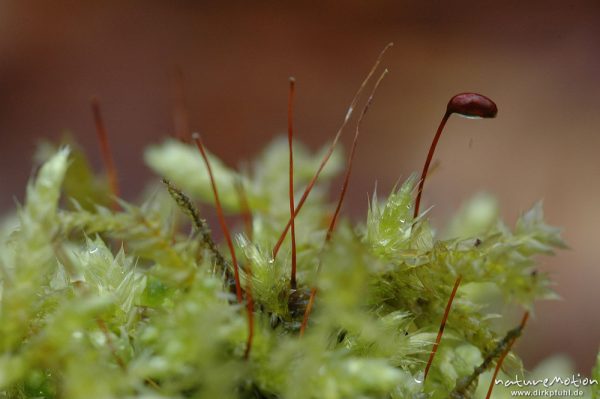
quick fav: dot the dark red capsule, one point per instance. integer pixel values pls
(472, 105)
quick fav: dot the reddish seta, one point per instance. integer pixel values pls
(109, 163)
(223, 223)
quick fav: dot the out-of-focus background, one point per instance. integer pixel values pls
(538, 60)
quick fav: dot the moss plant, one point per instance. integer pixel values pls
(139, 300)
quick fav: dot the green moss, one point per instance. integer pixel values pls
(101, 303)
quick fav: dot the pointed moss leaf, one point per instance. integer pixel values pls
(111, 276)
(389, 225)
(81, 184)
(42, 196)
(538, 237)
(28, 259)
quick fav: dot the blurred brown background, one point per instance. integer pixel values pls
(538, 60)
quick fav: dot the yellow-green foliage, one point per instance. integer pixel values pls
(135, 302)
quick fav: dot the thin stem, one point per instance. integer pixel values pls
(291, 189)
(442, 327)
(505, 353)
(109, 163)
(308, 311)
(238, 288)
(250, 312)
(329, 152)
(428, 161)
(338, 208)
(351, 157)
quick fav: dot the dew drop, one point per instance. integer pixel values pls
(419, 377)
(470, 116)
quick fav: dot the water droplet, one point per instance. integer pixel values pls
(419, 377)
(94, 250)
(470, 116)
